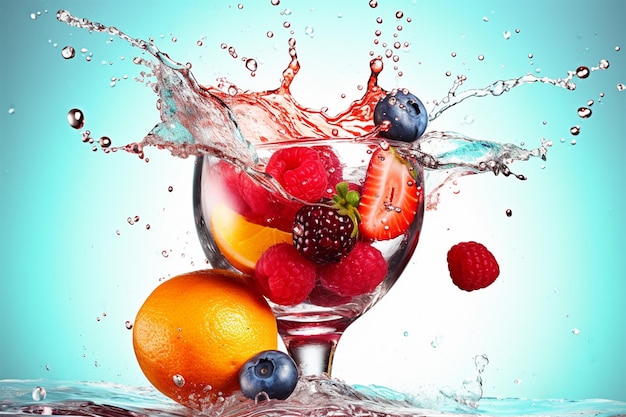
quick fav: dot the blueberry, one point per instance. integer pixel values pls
(405, 113)
(270, 371)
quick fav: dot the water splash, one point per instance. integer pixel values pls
(225, 121)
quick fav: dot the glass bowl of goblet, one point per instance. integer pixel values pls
(245, 214)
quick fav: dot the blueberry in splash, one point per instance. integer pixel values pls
(270, 371)
(405, 114)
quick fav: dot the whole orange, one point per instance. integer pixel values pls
(195, 331)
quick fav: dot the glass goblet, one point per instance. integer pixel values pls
(241, 211)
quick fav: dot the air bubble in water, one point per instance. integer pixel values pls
(68, 52)
(575, 331)
(621, 87)
(603, 64)
(39, 393)
(481, 57)
(128, 324)
(506, 34)
(399, 14)
(582, 72)
(574, 130)
(275, 2)
(11, 110)
(270, 34)
(584, 112)
(179, 381)
(76, 118)
(373, 4)
(309, 30)
(509, 212)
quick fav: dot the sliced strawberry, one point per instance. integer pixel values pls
(390, 196)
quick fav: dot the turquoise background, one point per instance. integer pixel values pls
(73, 270)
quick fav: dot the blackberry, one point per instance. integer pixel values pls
(323, 233)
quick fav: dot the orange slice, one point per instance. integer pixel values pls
(242, 242)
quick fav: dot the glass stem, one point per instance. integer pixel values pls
(314, 355)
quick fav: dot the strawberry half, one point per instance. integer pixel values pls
(390, 196)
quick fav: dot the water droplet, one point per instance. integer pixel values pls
(373, 4)
(164, 254)
(39, 393)
(270, 34)
(575, 331)
(105, 142)
(275, 2)
(617, 48)
(582, 72)
(481, 57)
(485, 19)
(179, 381)
(517, 30)
(147, 226)
(76, 118)
(621, 87)
(590, 103)
(68, 52)
(509, 212)
(603, 64)
(517, 381)
(128, 324)
(530, 56)
(468, 119)
(481, 362)
(506, 34)
(448, 73)
(584, 112)
(399, 14)
(309, 30)
(573, 142)
(170, 188)
(574, 130)
(405, 334)
(240, 6)
(11, 110)
(379, 20)
(251, 64)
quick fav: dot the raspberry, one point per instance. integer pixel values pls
(283, 276)
(225, 186)
(299, 170)
(332, 166)
(357, 273)
(472, 266)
